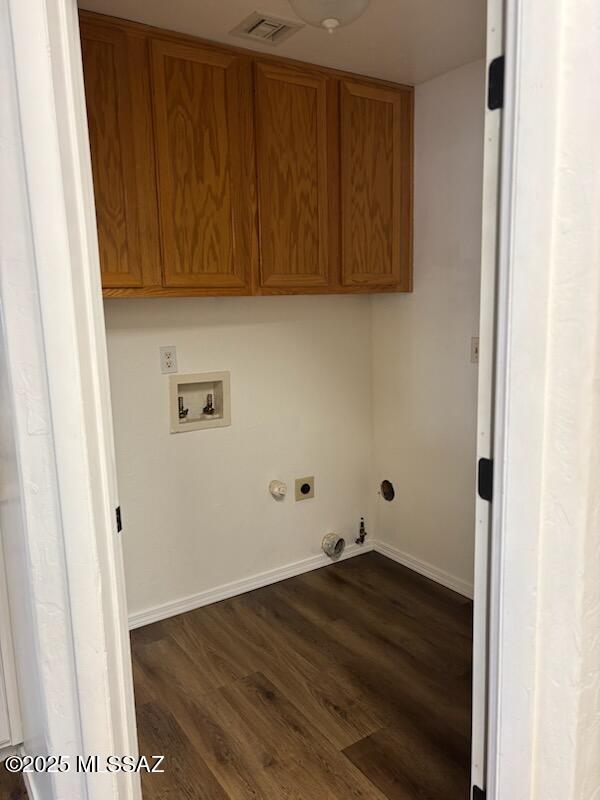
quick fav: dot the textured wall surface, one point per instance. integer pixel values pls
(29, 517)
(545, 587)
(568, 656)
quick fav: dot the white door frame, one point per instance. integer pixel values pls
(543, 737)
(538, 34)
(485, 399)
(49, 80)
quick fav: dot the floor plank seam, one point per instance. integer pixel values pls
(315, 688)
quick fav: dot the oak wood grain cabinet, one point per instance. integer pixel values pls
(218, 171)
(117, 86)
(376, 185)
(202, 104)
(111, 140)
(294, 178)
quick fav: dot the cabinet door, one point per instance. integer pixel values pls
(205, 158)
(293, 178)
(107, 89)
(376, 181)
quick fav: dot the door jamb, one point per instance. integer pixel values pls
(485, 399)
(49, 78)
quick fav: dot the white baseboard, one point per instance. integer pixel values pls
(234, 588)
(423, 568)
(240, 587)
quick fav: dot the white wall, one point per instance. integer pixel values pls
(196, 507)
(22, 424)
(424, 386)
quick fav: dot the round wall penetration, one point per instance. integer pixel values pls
(333, 545)
(387, 490)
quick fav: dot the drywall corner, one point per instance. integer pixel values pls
(424, 384)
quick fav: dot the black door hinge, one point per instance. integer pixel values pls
(485, 479)
(478, 794)
(119, 521)
(496, 84)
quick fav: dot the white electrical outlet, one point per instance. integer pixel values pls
(168, 359)
(475, 350)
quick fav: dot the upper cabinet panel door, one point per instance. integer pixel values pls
(107, 89)
(293, 184)
(376, 170)
(204, 147)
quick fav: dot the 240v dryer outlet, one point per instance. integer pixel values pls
(305, 488)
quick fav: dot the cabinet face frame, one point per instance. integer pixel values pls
(399, 225)
(271, 274)
(233, 133)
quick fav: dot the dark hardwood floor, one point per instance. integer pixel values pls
(12, 786)
(351, 681)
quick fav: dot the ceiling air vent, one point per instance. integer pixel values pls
(265, 28)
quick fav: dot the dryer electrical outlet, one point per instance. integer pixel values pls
(305, 488)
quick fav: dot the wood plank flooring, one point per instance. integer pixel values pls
(12, 787)
(352, 681)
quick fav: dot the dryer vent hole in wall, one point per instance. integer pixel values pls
(333, 545)
(387, 490)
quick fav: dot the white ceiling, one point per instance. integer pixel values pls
(408, 41)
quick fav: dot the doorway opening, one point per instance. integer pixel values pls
(303, 218)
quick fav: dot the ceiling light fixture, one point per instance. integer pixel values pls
(329, 14)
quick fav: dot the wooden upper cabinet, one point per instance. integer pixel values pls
(291, 111)
(202, 107)
(106, 75)
(222, 172)
(376, 185)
